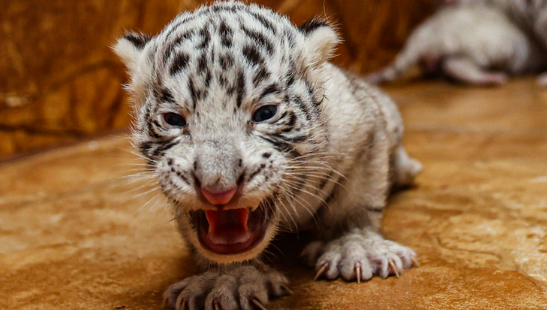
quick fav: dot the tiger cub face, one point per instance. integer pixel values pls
(229, 111)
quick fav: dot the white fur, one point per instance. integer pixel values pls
(473, 43)
(324, 162)
(321, 44)
(138, 66)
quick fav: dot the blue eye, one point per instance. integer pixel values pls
(174, 119)
(264, 113)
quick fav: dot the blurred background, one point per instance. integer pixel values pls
(60, 81)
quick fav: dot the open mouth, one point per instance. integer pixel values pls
(230, 231)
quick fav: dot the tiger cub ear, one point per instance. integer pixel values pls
(129, 48)
(321, 39)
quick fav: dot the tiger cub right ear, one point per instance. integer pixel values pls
(130, 47)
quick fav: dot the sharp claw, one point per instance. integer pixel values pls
(415, 262)
(216, 305)
(258, 304)
(287, 289)
(393, 268)
(181, 303)
(164, 303)
(358, 273)
(322, 270)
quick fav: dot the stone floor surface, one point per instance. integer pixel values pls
(78, 232)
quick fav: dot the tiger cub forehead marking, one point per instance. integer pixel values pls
(225, 53)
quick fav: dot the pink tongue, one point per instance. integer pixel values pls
(228, 227)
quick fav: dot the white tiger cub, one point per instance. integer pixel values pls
(248, 128)
(529, 15)
(475, 44)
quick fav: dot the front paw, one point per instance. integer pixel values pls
(359, 256)
(244, 287)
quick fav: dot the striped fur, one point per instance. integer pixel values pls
(327, 157)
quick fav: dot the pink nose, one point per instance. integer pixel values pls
(219, 198)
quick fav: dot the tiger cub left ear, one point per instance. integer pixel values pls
(130, 47)
(321, 39)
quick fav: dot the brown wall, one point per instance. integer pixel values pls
(59, 80)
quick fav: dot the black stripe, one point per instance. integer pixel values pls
(182, 177)
(202, 63)
(177, 25)
(152, 131)
(260, 75)
(282, 116)
(290, 124)
(295, 139)
(253, 56)
(164, 146)
(231, 90)
(194, 93)
(278, 145)
(165, 95)
(206, 36)
(311, 25)
(185, 36)
(147, 112)
(226, 61)
(257, 171)
(208, 77)
(309, 87)
(264, 21)
(138, 40)
(290, 78)
(180, 63)
(144, 147)
(217, 7)
(240, 88)
(316, 102)
(292, 119)
(166, 54)
(289, 35)
(213, 57)
(226, 34)
(259, 38)
(226, 6)
(223, 80)
(158, 126)
(302, 107)
(270, 89)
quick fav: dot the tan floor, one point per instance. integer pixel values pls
(76, 234)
